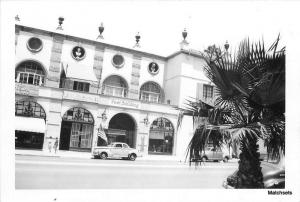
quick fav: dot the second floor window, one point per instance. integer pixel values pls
(81, 86)
(30, 72)
(207, 91)
(150, 92)
(115, 86)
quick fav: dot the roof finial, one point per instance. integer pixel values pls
(137, 39)
(60, 21)
(184, 44)
(226, 46)
(101, 29)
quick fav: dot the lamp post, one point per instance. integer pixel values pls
(103, 116)
(17, 18)
(146, 120)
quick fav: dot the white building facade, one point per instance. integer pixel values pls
(68, 88)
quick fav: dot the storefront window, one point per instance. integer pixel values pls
(29, 109)
(29, 137)
(161, 137)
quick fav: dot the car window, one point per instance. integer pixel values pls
(125, 146)
(118, 145)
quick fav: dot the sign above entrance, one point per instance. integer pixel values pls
(81, 97)
(125, 103)
(29, 90)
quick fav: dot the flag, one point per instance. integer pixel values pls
(101, 133)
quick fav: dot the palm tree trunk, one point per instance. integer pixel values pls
(249, 174)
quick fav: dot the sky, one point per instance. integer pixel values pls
(160, 23)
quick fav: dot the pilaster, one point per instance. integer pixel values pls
(97, 67)
(135, 76)
(55, 62)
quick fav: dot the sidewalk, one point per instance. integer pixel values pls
(87, 155)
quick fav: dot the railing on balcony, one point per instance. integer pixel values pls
(30, 78)
(114, 91)
(150, 96)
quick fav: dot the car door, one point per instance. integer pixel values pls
(212, 154)
(218, 154)
(117, 150)
(125, 150)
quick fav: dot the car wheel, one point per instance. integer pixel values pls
(204, 158)
(103, 155)
(225, 160)
(132, 157)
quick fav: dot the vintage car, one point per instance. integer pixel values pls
(115, 150)
(273, 177)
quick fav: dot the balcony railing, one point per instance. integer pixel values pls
(114, 91)
(150, 96)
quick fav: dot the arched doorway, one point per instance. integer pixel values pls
(77, 130)
(122, 128)
(30, 118)
(161, 137)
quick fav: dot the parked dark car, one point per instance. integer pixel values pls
(273, 177)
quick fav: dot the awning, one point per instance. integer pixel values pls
(156, 136)
(29, 124)
(116, 132)
(80, 72)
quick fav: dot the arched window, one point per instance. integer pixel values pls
(115, 86)
(78, 114)
(151, 92)
(30, 72)
(29, 109)
(161, 136)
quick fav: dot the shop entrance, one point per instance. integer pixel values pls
(161, 137)
(122, 128)
(77, 130)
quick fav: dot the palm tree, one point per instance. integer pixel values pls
(250, 105)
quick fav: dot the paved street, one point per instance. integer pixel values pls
(35, 172)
